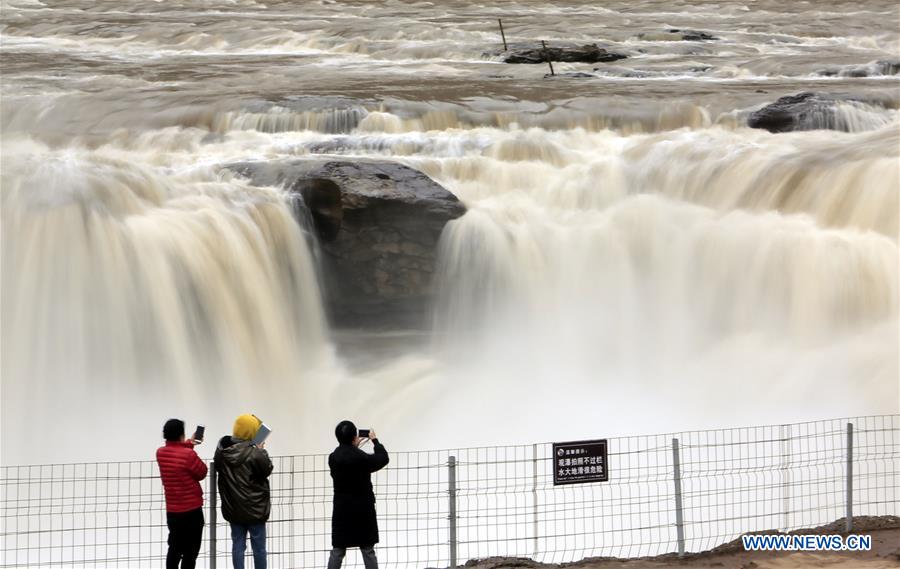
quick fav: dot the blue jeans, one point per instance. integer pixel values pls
(257, 542)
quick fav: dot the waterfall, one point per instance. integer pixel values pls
(633, 258)
(668, 274)
(124, 283)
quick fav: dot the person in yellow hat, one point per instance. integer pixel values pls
(243, 469)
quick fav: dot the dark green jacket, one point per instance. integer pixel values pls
(243, 470)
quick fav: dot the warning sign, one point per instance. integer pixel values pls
(579, 462)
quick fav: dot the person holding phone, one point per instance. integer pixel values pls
(243, 467)
(353, 522)
(181, 471)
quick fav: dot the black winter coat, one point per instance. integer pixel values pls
(243, 470)
(353, 523)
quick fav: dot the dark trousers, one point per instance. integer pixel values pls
(185, 534)
(336, 559)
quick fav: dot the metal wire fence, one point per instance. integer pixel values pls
(686, 492)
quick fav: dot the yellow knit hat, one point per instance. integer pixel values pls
(245, 427)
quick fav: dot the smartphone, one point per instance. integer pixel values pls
(364, 433)
(198, 434)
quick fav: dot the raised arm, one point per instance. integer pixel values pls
(379, 459)
(197, 467)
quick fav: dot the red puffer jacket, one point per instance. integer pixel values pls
(181, 471)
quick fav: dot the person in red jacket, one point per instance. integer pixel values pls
(181, 471)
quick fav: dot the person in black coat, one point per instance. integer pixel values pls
(353, 522)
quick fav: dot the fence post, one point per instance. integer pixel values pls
(679, 516)
(534, 494)
(786, 477)
(849, 477)
(451, 465)
(212, 515)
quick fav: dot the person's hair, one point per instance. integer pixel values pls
(173, 430)
(345, 432)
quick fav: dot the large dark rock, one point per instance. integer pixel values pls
(566, 52)
(805, 111)
(378, 225)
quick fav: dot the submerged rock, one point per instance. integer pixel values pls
(888, 67)
(565, 52)
(875, 69)
(693, 35)
(811, 111)
(378, 225)
(570, 74)
(677, 35)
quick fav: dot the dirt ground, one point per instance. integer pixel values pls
(885, 553)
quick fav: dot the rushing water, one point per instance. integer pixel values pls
(633, 257)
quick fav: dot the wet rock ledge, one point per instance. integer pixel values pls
(533, 53)
(377, 224)
(812, 111)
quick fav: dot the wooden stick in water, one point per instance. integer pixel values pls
(547, 57)
(503, 35)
